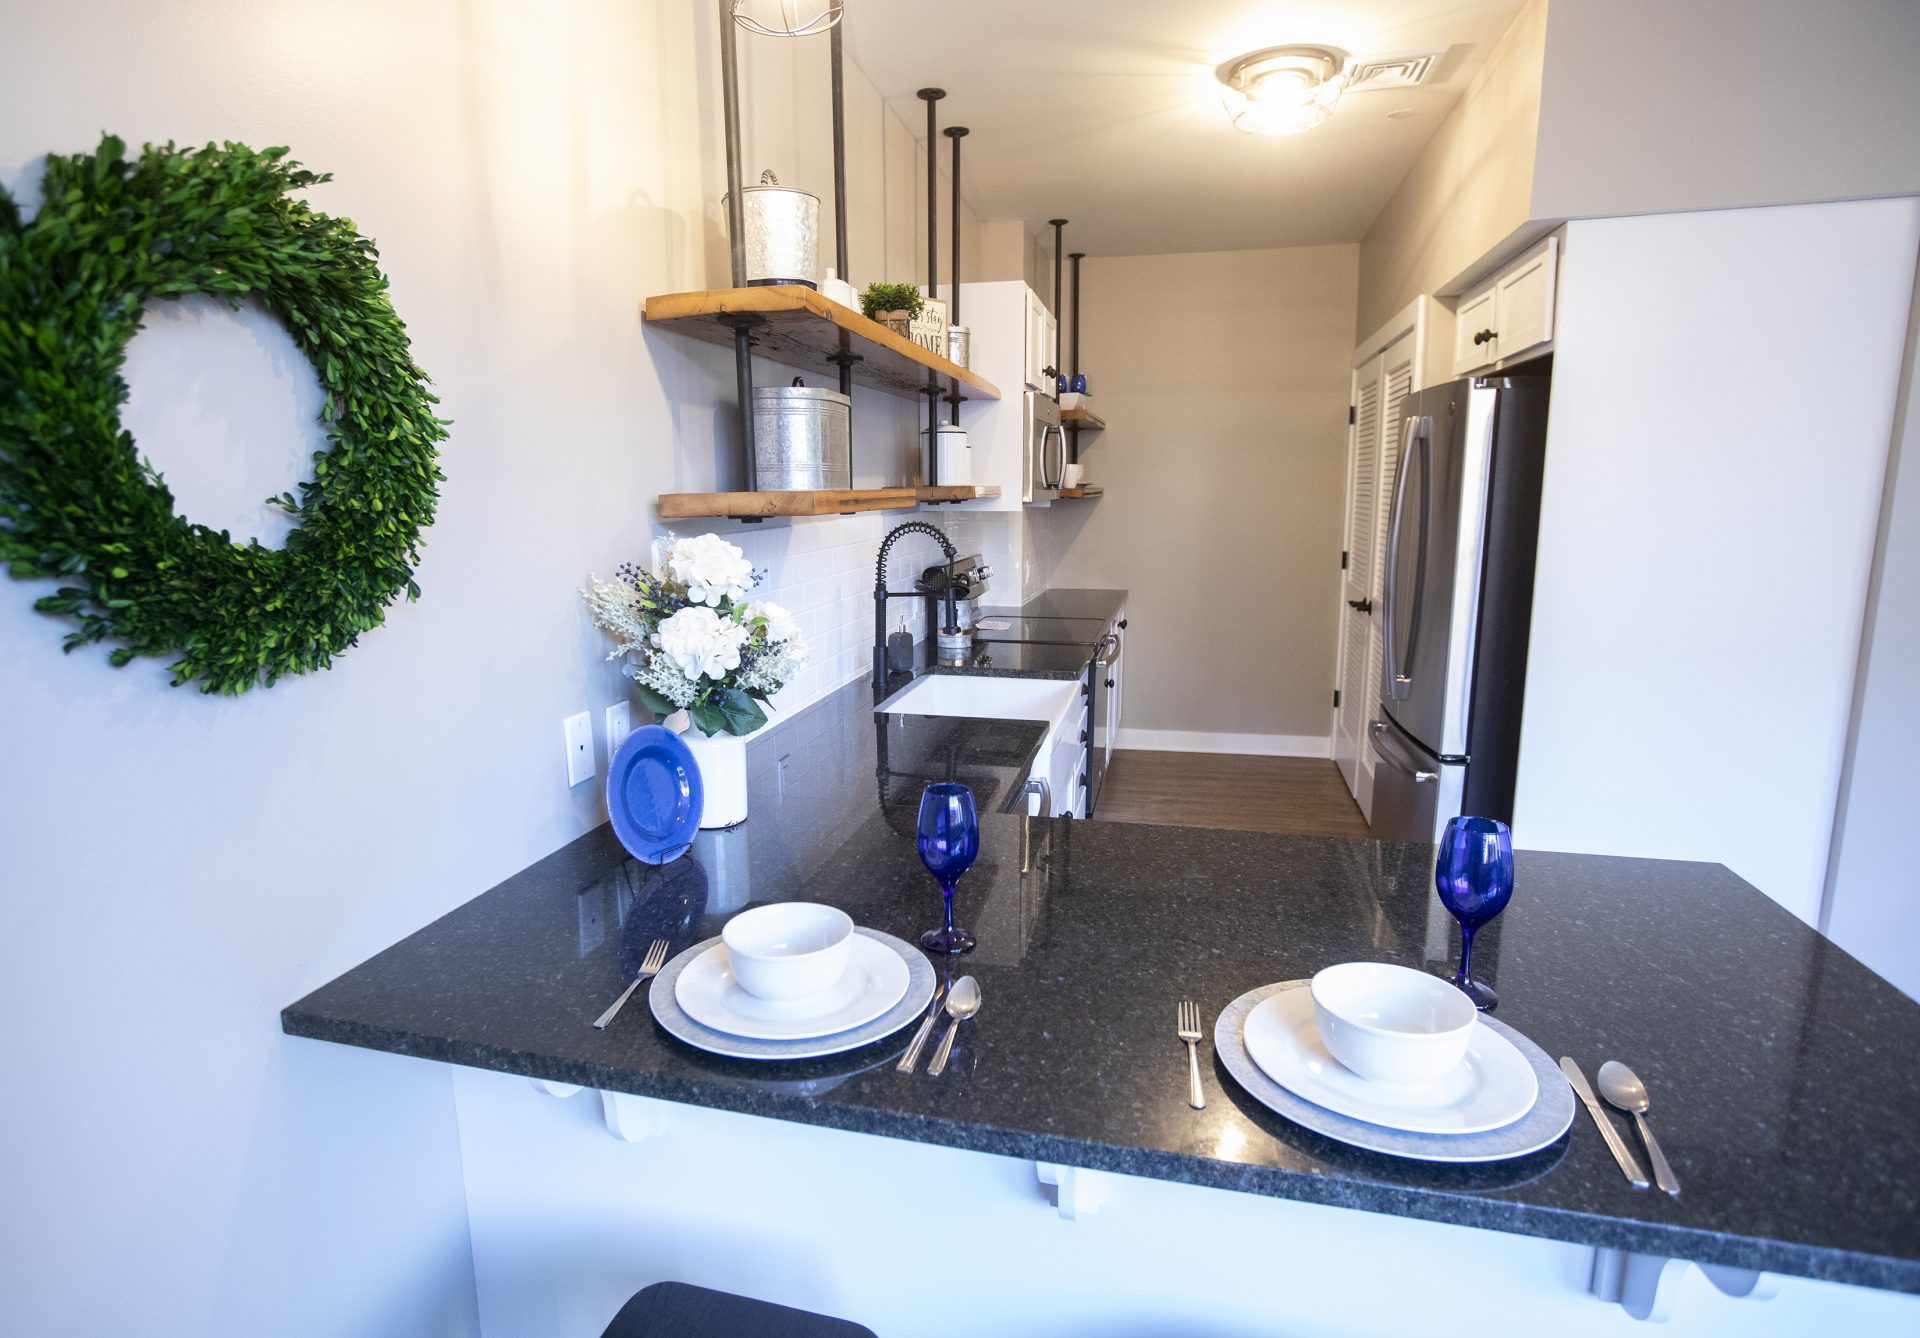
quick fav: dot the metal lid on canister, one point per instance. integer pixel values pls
(799, 393)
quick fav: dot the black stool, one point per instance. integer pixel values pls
(680, 1310)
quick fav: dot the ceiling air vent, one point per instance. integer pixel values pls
(1382, 72)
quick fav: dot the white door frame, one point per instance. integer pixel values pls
(1411, 319)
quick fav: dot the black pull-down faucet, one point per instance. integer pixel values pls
(881, 594)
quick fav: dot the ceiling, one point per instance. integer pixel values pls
(1107, 112)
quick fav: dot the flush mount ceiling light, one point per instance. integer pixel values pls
(1282, 90)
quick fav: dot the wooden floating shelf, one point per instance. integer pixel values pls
(1084, 419)
(951, 493)
(801, 328)
(752, 506)
(759, 505)
(1090, 490)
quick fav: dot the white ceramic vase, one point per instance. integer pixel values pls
(722, 759)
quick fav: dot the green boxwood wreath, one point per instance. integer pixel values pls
(77, 501)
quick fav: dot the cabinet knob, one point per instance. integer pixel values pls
(1123, 624)
(1109, 682)
(1484, 336)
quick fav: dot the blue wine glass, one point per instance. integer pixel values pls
(1475, 877)
(949, 832)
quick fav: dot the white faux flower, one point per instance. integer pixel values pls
(712, 568)
(781, 625)
(701, 642)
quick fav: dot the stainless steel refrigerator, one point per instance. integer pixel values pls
(1457, 603)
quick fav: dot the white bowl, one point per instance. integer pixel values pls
(1391, 1023)
(789, 950)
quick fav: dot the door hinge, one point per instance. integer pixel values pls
(1350, 419)
(1336, 697)
(1343, 559)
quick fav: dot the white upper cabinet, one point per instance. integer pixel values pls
(1476, 337)
(1043, 337)
(1509, 317)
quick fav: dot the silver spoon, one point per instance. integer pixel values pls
(963, 1001)
(1622, 1088)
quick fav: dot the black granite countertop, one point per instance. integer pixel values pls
(1786, 1076)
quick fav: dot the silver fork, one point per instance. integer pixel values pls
(1189, 1032)
(649, 966)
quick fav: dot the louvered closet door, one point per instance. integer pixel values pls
(1350, 749)
(1396, 378)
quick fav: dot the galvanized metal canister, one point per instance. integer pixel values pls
(783, 232)
(802, 438)
(959, 344)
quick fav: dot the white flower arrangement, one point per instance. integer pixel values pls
(691, 638)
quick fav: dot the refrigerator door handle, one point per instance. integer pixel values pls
(1399, 761)
(1399, 686)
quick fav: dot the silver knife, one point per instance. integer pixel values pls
(919, 1042)
(1621, 1152)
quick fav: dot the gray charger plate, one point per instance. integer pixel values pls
(1551, 1116)
(668, 1013)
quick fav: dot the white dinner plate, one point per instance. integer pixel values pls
(1492, 1087)
(908, 1012)
(874, 981)
(1540, 1127)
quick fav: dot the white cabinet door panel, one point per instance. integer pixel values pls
(1477, 319)
(1525, 303)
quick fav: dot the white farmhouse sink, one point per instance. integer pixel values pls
(984, 698)
(1060, 706)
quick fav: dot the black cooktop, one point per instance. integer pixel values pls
(1039, 658)
(1012, 625)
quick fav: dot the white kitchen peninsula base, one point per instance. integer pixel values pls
(910, 1239)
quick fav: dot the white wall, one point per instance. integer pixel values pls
(1722, 406)
(177, 867)
(1873, 890)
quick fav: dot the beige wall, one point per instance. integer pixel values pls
(1224, 377)
(1469, 189)
(1591, 108)
(787, 108)
(1652, 106)
(530, 174)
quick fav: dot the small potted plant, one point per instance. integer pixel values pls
(694, 642)
(894, 305)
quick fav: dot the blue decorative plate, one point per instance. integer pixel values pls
(654, 795)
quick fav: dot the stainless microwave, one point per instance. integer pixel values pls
(1046, 449)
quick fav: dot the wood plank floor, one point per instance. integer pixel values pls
(1299, 796)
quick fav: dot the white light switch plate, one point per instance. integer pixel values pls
(579, 731)
(619, 725)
